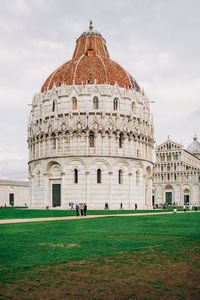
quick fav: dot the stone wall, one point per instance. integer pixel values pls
(19, 189)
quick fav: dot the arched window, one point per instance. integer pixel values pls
(74, 103)
(75, 176)
(120, 176)
(91, 139)
(98, 175)
(115, 104)
(95, 103)
(54, 105)
(53, 137)
(137, 178)
(133, 107)
(120, 140)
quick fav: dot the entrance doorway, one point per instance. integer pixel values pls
(56, 194)
(186, 196)
(186, 199)
(11, 199)
(168, 198)
(153, 200)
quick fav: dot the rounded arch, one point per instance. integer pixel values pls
(139, 165)
(74, 160)
(168, 187)
(100, 160)
(36, 168)
(122, 162)
(148, 171)
(75, 167)
(52, 164)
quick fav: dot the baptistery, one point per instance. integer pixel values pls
(90, 134)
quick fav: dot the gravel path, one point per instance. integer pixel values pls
(12, 221)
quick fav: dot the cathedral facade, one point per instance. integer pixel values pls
(176, 178)
(90, 134)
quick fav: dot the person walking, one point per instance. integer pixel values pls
(85, 209)
(121, 206)
(77, 209)
(184, 208)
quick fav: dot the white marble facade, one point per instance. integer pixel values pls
(90, 143)
(14, 193)
(176, 175)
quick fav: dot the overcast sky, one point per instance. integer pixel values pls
(157, 41)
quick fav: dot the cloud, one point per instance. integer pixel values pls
(156, 41)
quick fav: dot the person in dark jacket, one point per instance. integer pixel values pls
(85, 209)
(77, 209)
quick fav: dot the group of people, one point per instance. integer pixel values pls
(81, 209)
(184, 207)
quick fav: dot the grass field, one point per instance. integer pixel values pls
(148, 257)
(18, 213)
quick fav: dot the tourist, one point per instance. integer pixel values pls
(77, 209)
(135, 206)
(184, 208)
(190, 206)
(81, 208)
(106, 206)
(121, 206)
(72, 205)
(85, 209)
(174, 209)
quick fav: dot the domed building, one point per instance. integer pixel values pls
(194, 147)
(90, 134)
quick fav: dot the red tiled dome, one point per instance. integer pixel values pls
(90, 62)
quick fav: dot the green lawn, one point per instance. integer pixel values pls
(26, 245)
(117, 245)
(19, 213)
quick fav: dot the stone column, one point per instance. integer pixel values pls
(63, 144)
(46, 191)
(49, 146)
(70, 143)
(87, 188)
(62, 190)
(102, 137)
(130, 190)
(56, 140)
(32, 191)
(110, 188)
(87, 142)
(78, 137)
(110, 142)
(38, 148)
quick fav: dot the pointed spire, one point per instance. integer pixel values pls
(91, 25)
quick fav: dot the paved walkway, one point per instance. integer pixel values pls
(12, 221)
